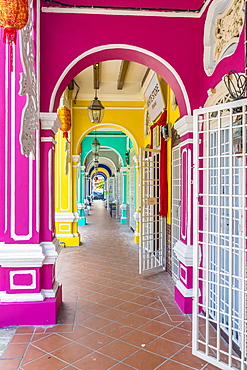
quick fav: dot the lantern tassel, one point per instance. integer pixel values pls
(9, 36)
(65, 135)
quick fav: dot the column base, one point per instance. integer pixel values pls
(136, 238)
(183, 298)
(69, 241)
(123, 221)
(82, 221)
(31, 313)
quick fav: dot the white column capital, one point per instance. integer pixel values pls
(184, 125)
(51, 251)
(50, 121)
(184, 253)
(75, 159)
(123, 170)
(21, 255)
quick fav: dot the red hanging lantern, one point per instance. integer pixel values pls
(13, 17)
(95, 178)
(65, 118)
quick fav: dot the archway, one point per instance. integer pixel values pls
(124, 52)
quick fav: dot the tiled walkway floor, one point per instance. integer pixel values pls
(112, 318)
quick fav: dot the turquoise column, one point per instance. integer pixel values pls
(81, 196)
(123, 206)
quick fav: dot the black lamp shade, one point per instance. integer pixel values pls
(95, 146)
(96, 111)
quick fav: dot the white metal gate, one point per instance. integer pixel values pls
(219, 312)
(151, 224)
(132, 193)
(176, 202)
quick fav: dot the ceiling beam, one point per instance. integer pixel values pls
(145, 76)
(96, 79)
(122, 73)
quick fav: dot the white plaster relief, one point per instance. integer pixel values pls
(183, 290)
(184, 253)
(223, 26)
(21, 255)
(22, 297)
(51, 251)
(28, 87)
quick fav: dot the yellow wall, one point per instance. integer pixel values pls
(130, 121)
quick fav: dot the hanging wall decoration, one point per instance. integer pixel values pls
(65, 118)
(13, 17)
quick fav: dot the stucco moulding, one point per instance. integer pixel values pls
(223, 26)
(21, 255)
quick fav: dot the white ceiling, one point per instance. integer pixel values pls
(109, 74)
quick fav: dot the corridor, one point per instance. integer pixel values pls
(111, 318)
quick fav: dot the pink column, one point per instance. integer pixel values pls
(184, 247)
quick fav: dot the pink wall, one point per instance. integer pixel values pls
(17, 172)
(179, 41)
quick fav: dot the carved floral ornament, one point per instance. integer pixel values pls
(223, 26)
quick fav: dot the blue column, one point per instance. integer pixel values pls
(123, 206)
(81, 195)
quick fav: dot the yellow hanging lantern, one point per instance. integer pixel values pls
(65, 118)
(13, 17)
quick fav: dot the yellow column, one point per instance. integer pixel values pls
(65, 212)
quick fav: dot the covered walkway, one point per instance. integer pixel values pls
(111, 318)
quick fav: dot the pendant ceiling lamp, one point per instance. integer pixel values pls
(95, 145)
(96, 110)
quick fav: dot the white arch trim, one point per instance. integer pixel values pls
(91, 163)
(127, 47)
(108, 125)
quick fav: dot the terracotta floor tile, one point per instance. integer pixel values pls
(95, 361)
(185, 356)
(81, 315)
(143, 300)
(115, 330)
(165, 319)
(186, 325)
(113, 314)
(112, 301)
(95, 322)
(138, 338)
(71, 352)
(15, 350)
(163, 347)
(51, 342)
(148, 312)
(121, 366)
(110, 291)
(143, 360)
(95, 340)
(179, 336)
(95, 308)
(129, 307)
(31, 354)
(127, 296)
(133, 320)
(39, 336)
(171, 365)
(118, 350)
(156, 328)
(25, 329)
(46, 362)
(9, 364)
(60, 329)
(21, 338)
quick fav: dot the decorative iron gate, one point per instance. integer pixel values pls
(151, 224)
(219, 312)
